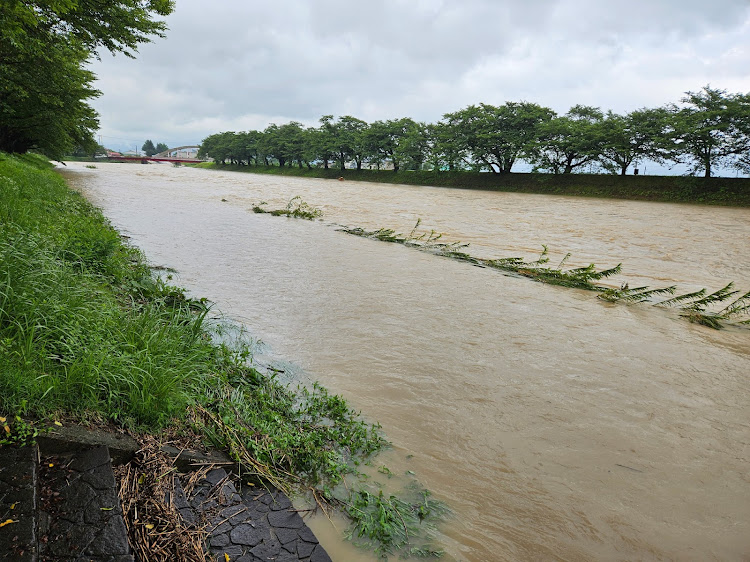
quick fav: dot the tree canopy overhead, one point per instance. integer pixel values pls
(118, 26)
(44, 46)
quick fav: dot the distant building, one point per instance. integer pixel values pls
(188, 152)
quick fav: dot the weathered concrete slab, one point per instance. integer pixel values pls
(70, 439)
(80, 516)
(18, 472)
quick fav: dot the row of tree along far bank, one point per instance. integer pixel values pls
(709, 129)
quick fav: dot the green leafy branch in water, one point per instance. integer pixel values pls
(388, 523)
(581, 277)
(694, 306)
(636, 294)
(296, 208)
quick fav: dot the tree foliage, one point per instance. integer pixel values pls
(496, 138)
(643, 134)
(712, 129)
(148, 148)
(44, 47)
(43, 95)
(569, 141)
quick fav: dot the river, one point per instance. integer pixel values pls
(555, 425)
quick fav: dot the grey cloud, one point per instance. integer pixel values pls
(232, 63)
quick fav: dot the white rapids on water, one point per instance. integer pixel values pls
(555, 425)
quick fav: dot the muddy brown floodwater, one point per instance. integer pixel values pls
(556, 426)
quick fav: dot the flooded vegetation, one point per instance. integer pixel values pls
(728, 306)
(554, 425)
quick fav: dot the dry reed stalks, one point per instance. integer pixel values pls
(156, 530)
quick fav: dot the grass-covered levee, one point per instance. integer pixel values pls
(89, 332)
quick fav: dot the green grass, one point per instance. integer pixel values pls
(84, 327)
(88, 332)
(674, 189)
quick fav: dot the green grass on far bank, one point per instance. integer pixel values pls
(87, 332)
(675, 189)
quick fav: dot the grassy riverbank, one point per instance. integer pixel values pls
(674, 189)
(89, 333)
(87, 329)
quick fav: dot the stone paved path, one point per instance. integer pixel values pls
(64, 507)
(249, 526)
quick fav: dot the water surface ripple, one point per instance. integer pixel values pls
(557, 427)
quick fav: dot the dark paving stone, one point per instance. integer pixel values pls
(267, 550)
(121, 558)
(305, 549)
(68, 539)
(252, 526)
(307, 535)
(265, 497)
(286, 519)
(261, 509)
(88, 461)
(233, 552)
(222, 526)
(319, 555)
(279, 502)
(250, 535)
(100, 478)
(112, 540)
(215, 476)
(219, 541)
(189, 516)
(285, 556)
(255, 505)
(286, 535)
(178, 497)
(18, 503)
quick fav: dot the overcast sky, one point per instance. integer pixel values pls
(235, 65)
